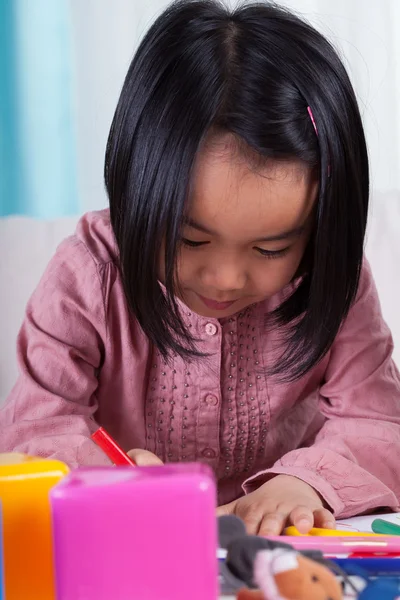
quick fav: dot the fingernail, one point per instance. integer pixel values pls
(329, 525)
(304, 525)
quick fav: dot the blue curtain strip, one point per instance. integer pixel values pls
(38, 166)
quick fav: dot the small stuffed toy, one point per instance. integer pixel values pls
(296, 577)
(287, 575)
(268, 570)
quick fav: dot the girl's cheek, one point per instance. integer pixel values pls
(186, 266)
(271, 280)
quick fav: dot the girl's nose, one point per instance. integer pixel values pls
(226, 276)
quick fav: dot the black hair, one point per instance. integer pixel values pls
(251, 71)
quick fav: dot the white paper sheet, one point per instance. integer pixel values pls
(363, 524)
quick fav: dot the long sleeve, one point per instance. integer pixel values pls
(353, 461)
(60, 348)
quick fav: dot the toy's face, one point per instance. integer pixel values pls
(310, 581)
(288, 575)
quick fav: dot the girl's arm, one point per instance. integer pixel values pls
(354, 460)
(50, 411)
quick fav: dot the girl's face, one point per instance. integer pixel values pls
(246, 230)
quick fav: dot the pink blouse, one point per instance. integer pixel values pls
(84, 361)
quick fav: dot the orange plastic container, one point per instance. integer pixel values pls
(25, 483)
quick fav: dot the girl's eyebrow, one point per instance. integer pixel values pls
(195, 225)
(285, 235)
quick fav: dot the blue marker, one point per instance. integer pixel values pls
(373, 567)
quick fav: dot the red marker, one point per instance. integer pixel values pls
(111, 448)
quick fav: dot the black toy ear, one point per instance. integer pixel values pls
(315, 555)
(242, 553)
(230, 528)
(237, 570)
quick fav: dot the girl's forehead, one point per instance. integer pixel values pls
(233, 196)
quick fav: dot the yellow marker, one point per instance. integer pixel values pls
(25, 482)
(329, 533)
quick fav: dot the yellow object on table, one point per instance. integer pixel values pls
(329, 533)
(25, 482)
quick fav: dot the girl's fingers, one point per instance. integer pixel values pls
(252, 520)
(302, 517)
(272, 523)
(324, 518)
(251, 515)
(226, 509)
(144, 458)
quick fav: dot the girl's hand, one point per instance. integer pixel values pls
(144, 458)
(282, 501)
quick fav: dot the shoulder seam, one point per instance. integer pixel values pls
(98, 265)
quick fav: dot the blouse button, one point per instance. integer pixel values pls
(211, 400)
(208, 453)
(211, 329)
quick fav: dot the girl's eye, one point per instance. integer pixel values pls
(273, 253)
(266, 253)
(191, 243)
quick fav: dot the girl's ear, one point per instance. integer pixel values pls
(230, 528)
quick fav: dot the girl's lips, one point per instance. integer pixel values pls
(214, 305)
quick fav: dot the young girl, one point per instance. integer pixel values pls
(221, 310)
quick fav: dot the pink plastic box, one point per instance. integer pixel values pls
(148, 533)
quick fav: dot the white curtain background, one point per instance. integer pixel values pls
(366, 32)
(104, 37)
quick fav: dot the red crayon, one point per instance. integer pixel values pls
(111, 448)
